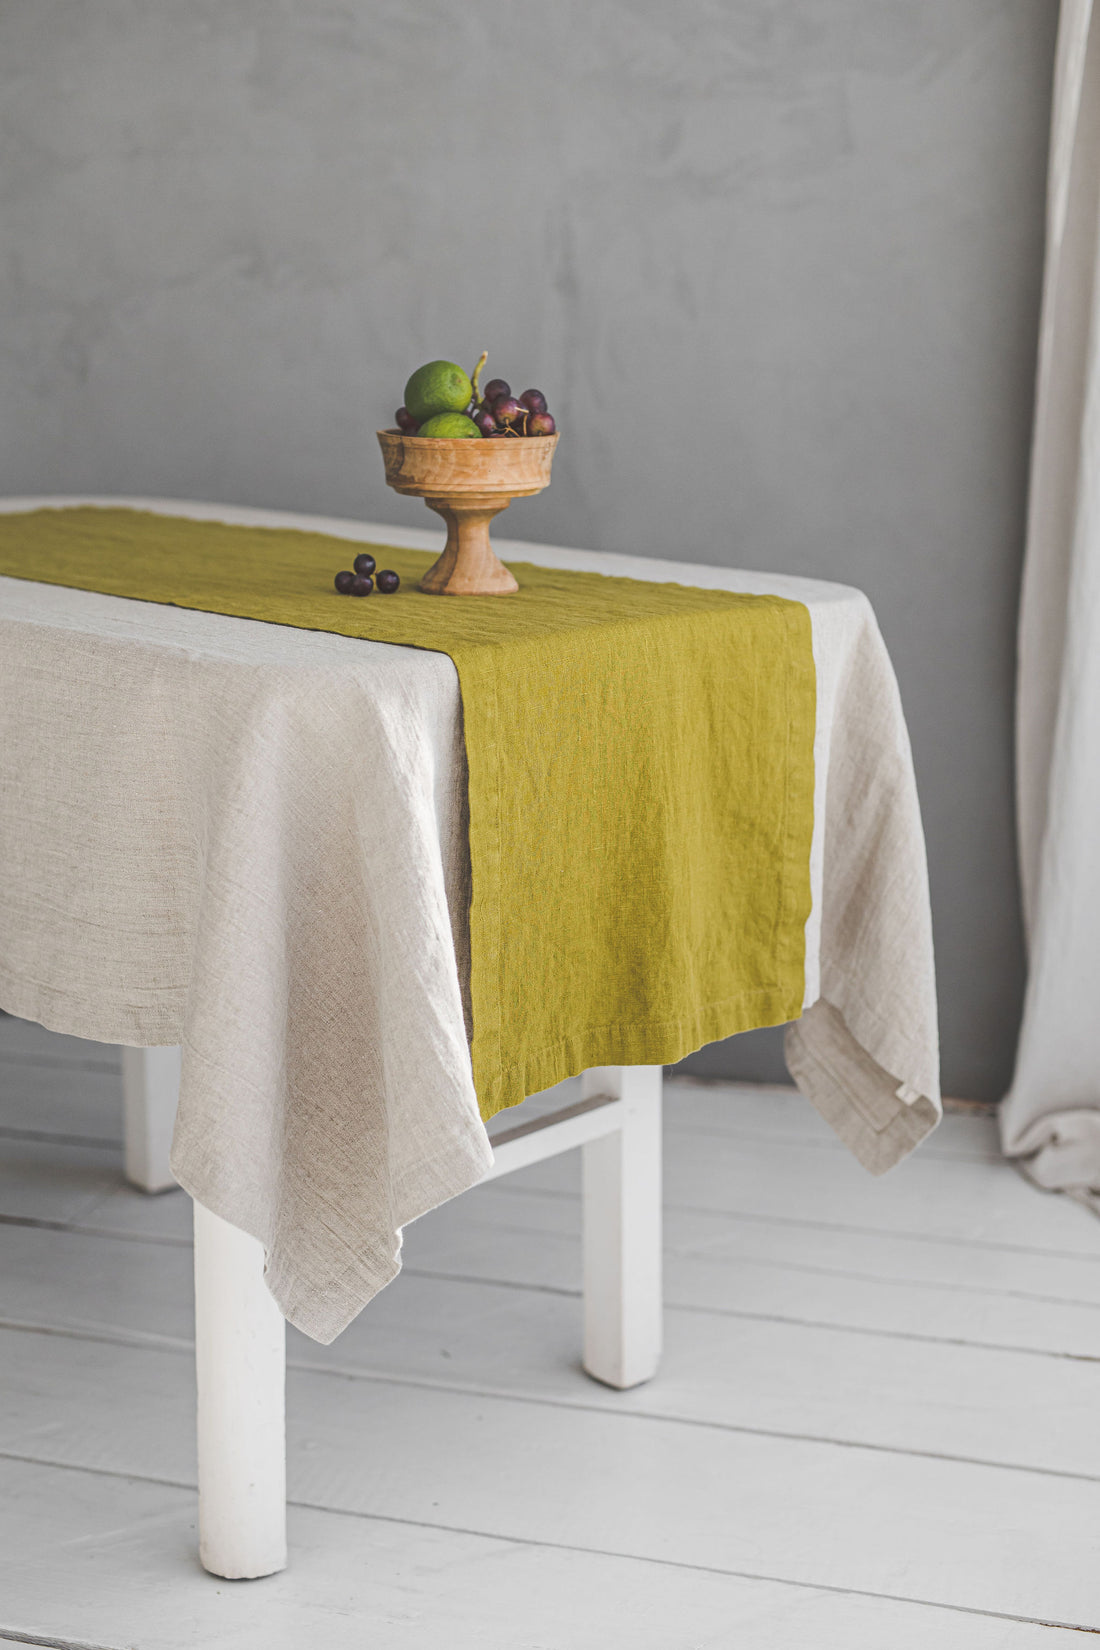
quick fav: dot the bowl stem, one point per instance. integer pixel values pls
(469, 564)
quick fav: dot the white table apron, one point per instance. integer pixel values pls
(239, 1328)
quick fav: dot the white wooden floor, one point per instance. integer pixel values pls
(876, 1427)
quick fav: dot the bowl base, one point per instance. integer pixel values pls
(469, 566)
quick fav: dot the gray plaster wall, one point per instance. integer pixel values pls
(776, 263)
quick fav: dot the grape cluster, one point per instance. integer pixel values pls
(495, 412)
(501, 413)
(361, 582)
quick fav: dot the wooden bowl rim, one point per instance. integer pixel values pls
(462, 440)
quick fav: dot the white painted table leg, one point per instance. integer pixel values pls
(622, 1231)
(150, 1090)
(240, 1353)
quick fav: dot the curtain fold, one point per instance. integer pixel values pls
(1050, 1119)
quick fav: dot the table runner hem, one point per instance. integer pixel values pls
(645, 1043)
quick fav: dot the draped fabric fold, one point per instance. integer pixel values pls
(251, 839)
(1050, 1119)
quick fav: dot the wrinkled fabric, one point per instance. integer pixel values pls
(1050, 1119)
(640, 776)
(251, 839)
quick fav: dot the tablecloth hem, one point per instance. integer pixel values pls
(322, 1307)
(856, 1096)
(125, 1023)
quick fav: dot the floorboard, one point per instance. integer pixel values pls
(600, 1479)
(960, 1199)
(874, 1424)
(395, 1586)
(1014, 1409)
(986, 1295)
(59, 1181)
(61, 1099)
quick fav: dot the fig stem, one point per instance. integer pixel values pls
(476, 374)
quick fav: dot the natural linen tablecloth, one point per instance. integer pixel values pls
(251, 840)
(640, 776)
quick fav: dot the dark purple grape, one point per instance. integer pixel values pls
(533, 400)
(388, 581)
(485, 422)
(405, 421)
(507, 410)
(364, 563)
(541, 424)
(494, 389)
(344, 582)
(361, 585)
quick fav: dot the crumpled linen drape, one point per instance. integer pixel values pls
(1050, 1119)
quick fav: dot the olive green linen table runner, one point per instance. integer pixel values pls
(640, 776)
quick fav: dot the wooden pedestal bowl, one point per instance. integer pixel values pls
(467, 482)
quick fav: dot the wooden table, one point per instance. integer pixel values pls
(617, 1122)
